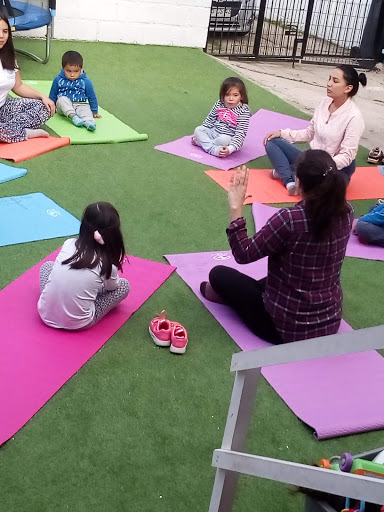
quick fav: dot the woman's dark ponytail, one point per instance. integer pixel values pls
(324, 189)
(363, 79)
(352, 78)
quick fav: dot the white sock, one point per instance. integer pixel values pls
(291, 187)
(32, 134)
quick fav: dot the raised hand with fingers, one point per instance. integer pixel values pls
(237, 192)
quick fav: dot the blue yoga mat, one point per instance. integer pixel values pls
(8, 173)
(381, 169)
(34, 217)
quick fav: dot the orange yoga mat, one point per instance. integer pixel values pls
(366, 183)
(19, 151)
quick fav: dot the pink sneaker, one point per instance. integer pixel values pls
(160, 330)
(179, 339)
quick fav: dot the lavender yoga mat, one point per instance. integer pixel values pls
(36, 360)
(332, 395)
(355, 249)
(260, 124)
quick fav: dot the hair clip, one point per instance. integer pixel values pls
(328, 171)
(98, 238)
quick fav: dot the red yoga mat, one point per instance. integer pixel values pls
(366, 183)
(36, 360)
(19, 151)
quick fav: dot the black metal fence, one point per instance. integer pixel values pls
(312, 30)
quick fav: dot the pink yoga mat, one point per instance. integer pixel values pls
(335, 396)
(260, 124)
(36, 360)
(261, 213)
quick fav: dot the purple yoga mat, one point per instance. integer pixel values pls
(261, 213)
(336, 396)
(260, 124)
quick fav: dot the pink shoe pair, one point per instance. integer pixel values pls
(168, 334)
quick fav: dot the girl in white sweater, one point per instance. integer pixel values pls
(82, 285)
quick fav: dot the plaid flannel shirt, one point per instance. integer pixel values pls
(303, 293)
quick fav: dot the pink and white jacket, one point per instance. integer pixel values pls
(338, 133)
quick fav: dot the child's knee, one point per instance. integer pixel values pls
(271, 143)
(61, 101)
(125, 288)
(64, 106)
(199, 130)
(223, 140)
(46, 268)
(45, 271)
(369, 233)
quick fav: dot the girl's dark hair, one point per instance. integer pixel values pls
(72, 58)
(230, 82)
(352, 78)
(101, 217)
(7, 52)
(323, 189)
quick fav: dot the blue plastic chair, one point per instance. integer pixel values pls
(29, 14)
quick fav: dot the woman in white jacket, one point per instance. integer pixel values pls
(336, 127)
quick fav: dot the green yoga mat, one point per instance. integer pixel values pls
(109, 128)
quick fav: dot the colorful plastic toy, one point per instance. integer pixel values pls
(348, 504)
(360, 466)
(380, 460)
(332, 463)
(348, 464)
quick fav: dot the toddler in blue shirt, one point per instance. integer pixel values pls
(73, 92)
(370, 227)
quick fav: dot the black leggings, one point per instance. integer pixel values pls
(245, 296)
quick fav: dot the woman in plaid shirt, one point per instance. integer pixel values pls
(301, 297)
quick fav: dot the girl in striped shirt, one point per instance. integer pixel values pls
(226, 126)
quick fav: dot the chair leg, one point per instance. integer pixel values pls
(47, 48)
(5, 5)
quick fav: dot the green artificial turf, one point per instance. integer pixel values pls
(135, 428)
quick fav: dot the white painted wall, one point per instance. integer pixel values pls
(160, 22)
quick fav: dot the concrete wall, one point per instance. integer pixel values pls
(161, 22)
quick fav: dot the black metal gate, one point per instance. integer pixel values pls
(311, 30)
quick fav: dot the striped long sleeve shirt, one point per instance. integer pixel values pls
(230, 121)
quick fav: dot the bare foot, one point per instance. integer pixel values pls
(193, 141)
(32, 134)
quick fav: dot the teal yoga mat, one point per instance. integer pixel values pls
(8, 173)
(34, 217)
(109, 128)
